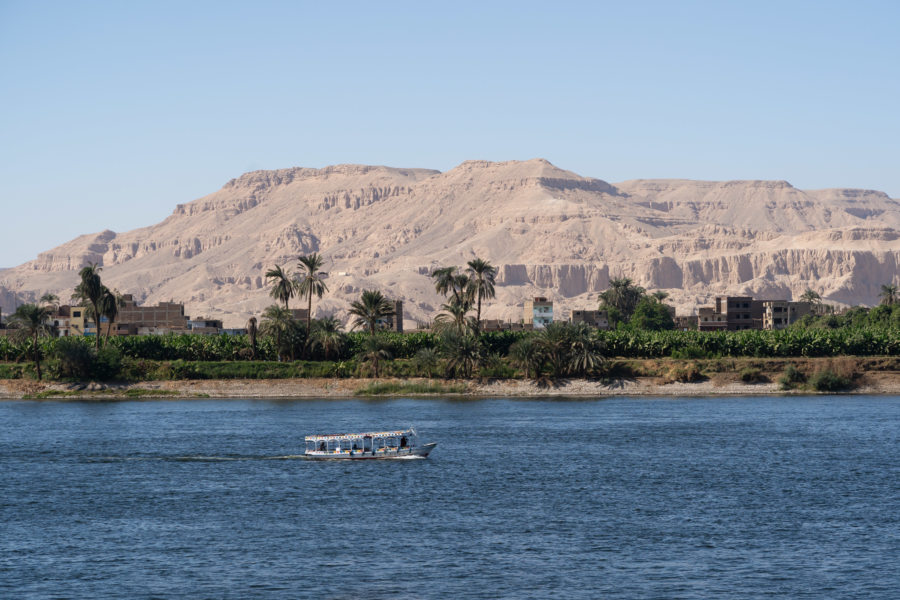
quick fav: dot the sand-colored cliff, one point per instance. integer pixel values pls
(551, 232)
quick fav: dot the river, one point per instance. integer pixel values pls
(791, 497)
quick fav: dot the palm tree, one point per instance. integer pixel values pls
(252, 331)
(110, 303)
(370, 309)
(555, 340)
(622, 295)
(283, 284)
(455, 317)
(90, 291)
(311, 282)
(811, 296)
(50, 300)
(278, 323)
(30, 322)
(585, 350)
(374, 351)
(463, 353)
(570, 349)
(889, 294)
(481, 283)
(328, 334)
(527, 355)
(443, 279)
(448, 281)
(660, 295)
(426, 360)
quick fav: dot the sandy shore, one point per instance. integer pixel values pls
(873, 383)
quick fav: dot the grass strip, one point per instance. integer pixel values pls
(409, 388)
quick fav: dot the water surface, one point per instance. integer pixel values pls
(623, 498)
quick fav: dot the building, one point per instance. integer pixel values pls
(740, 312)
(500, 325)
(60, 320)
(394, 322)
(538, 312)
(778, 314)
(205, 326)
(594, 318)
(76, 320)
(710, 320)
(686, 322)
(165, 317)
(299, 314)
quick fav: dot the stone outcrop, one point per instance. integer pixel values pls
(551, 232)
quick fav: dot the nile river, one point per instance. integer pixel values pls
(794, 497)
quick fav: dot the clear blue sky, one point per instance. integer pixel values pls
(113, 112)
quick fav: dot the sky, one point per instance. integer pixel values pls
(111, 113)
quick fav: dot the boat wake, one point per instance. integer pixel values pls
(191, 458)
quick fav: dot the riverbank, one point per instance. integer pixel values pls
(887, 383)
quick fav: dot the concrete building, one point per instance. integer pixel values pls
(538, 312)
(778, 314)
(205, 326)
(740, 312)
(594, 318)
(76, 320)
(685, 322)
(710, 320)
(165, 315)
(394, 322)
(500, 325)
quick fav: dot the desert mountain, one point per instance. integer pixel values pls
(551, 232)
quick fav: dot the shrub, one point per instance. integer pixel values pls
(77, 359)
(827, 380)
(11, 371)
(752, 375)
(791, 377)
(693, 352)
(74, 358)
(107, 364)
(689, 373)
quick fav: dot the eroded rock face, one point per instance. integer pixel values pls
(551, 233)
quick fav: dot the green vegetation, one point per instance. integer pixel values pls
(91, 292)
(311, 284)
(284, 285)
(131, 393)
(883, 316)
(791, 378)
(829, 381)
(455, 348)
(410, 388)
(30, 323)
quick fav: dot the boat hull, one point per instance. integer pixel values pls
(404, 454)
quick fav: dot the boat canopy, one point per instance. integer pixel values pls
(359, 436)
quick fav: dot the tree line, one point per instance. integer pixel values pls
(456, 347)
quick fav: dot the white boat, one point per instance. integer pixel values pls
(402, 444)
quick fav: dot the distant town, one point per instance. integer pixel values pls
(728, 313)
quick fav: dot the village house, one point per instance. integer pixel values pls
(594, 318)
(538, 313)
(779, 314)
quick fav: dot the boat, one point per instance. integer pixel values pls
(401, 444)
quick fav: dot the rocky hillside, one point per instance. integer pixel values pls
(550, 231)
